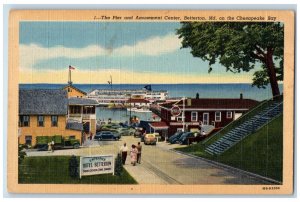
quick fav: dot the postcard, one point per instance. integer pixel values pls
(151, 102)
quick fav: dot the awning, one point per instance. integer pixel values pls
(159, 125)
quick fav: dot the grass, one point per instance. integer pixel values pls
(260, 153)
(55, 170)
(239, 121)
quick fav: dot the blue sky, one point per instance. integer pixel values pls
(135, 48)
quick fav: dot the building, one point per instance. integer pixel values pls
(216, 112)
(44, 113)
(74, 92)
(83, 110)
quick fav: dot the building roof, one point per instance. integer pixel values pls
(159, 125)
(214, 103)
(74, 125)
(71, 86)
(136, 100)
(82, 101)
(43, 102)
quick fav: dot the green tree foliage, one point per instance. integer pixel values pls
(238, 46)
(21, 153)
(118, 165)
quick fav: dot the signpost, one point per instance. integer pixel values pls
(95, 165)
(175, 110)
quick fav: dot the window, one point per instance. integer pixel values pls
(24, 121)
(40, 121)
(229, 115)
(89, 110)
(218, 116)
(194, 116)
(28, 140)
(54, 121)
(75, 109)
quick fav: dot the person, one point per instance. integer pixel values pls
(49, 147)
(139, 154)
(133, 154)
(124, 150)
(91, 136)
(52, 146)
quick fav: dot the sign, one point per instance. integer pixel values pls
(175, 111)
(95, 165)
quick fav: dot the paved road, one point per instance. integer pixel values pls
(160, 165)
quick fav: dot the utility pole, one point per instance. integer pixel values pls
(183, 114)
(130, 109)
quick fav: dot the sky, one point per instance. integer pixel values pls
(132, 52)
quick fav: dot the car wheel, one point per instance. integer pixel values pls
(76, 146)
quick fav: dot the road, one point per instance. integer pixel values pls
(161, 165)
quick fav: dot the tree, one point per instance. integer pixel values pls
(239, 46)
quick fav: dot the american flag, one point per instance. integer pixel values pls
(72, 68)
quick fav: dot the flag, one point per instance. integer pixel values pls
(147, 87)
(72, 68)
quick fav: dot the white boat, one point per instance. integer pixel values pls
(140, 110)
(120, 96)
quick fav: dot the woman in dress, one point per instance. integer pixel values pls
(133, 154)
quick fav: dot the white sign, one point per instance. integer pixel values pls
(95, 165)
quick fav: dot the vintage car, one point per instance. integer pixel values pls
(190, 137)
(150, 139)
(107, 135)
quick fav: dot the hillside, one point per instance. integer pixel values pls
(260, 152)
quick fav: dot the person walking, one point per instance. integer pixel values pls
(139, 154)
(52, 146)
(133, 154)
(124, 150)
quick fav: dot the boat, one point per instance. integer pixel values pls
(120, 96)
(143, 110)
(140, 110)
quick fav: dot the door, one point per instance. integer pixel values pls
(205, 118)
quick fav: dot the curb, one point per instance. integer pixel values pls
(230, 168)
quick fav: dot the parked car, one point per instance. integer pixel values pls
(176, 135)
(176, 138)
(138, 132)
(106, 135)
(126, 131)
(185, 137)
(150, 139)
(199, 137)
(60, 142)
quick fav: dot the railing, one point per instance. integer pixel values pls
(253, 129)
(74, 115)
(240, 119)
(83, 116)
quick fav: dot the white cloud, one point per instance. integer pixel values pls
(151, 47)
(33, 53)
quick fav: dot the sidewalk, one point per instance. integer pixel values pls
(142, 174)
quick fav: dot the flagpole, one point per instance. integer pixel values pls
(69, 79)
